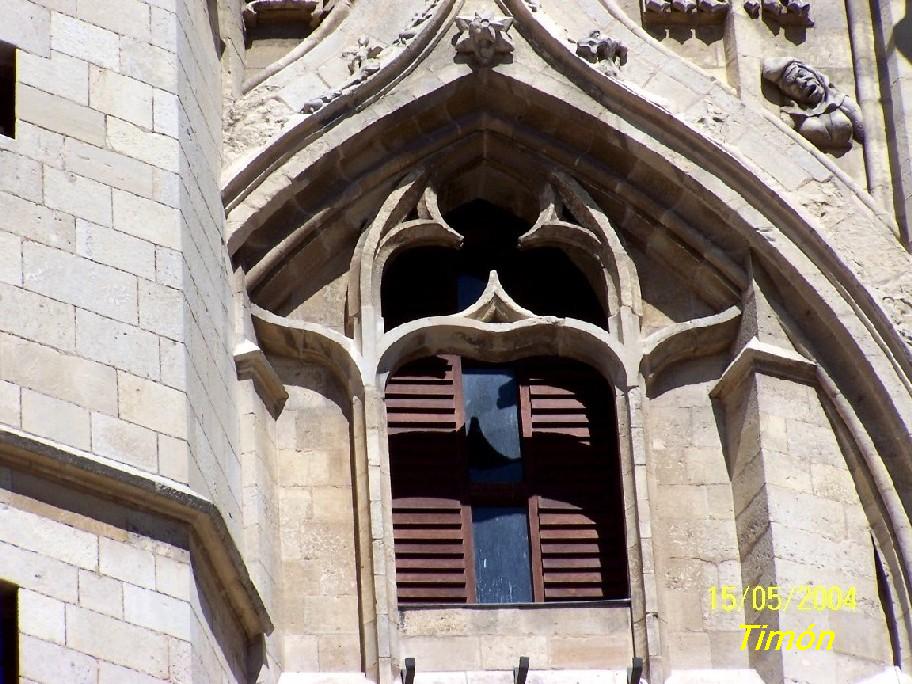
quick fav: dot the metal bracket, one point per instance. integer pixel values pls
(408, 673)
(635, 671)
(519, 673)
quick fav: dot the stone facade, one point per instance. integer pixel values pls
(199, 202)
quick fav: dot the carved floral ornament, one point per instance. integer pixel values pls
(602, 51)
(484, 37)
(363, 55)
(826, 117)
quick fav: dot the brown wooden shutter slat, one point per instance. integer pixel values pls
(571, 456)
(424, 414)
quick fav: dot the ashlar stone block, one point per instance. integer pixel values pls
(55, 419)
(121, 96)
(127, 563)
(153, 405)
(59, 75)
(102, 289)
(123, 644)
(47, 663)
(101, 594)
(117, 344)
(79, 196)
(124, 442)
(42, 617)
(81, 39)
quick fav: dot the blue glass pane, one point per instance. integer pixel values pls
(468, 289)
(492, 424)
(501, 537)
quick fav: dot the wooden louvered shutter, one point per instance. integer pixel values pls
(576, 509)
(431, 524)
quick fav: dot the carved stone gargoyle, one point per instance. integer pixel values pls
(485, 37)
(602, 51)
(827, 118)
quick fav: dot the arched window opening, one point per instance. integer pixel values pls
(505, 482)
(429, 281)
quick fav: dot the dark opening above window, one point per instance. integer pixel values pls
(506, 482)
(9, 634)
(7, 90)
(429, 281)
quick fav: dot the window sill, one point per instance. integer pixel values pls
(569, 635)
(607, 603)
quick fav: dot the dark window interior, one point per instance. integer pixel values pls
(7, 90)
(428, 281)
(9, 634)
(506, 482)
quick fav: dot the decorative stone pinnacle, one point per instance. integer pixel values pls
(485, 37)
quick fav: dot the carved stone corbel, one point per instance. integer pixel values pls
(685, 11)
(484, 37)
(782, 12)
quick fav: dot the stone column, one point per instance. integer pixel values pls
(797, 513)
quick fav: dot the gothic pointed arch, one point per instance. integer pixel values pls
(666, 217)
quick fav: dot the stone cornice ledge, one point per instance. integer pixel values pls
(136, 489)
(252, 364)
(757, 356)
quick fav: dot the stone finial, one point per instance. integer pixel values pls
(602, 51)
(827, 118)
(360, 56)
(485, 37)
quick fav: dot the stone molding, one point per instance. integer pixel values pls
(690, 339)
(763, 357)
(252, 364)
(127, 486)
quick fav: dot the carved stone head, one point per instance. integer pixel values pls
(822, 114)
(796, 79)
